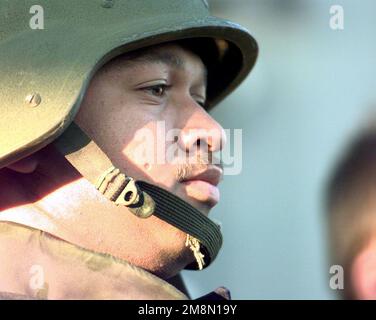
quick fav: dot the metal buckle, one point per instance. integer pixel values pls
(131, 196)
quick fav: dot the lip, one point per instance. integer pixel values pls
(211, 175)
(203, 186)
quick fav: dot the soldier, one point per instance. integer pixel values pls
(83, 214)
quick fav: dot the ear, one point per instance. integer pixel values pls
(25, 165)
(363, 273)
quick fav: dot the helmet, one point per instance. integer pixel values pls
(46, 67)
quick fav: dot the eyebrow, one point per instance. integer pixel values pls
(165, 58)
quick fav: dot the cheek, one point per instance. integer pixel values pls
(132, 136)
(146, 153)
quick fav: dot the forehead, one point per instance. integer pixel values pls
(172, 55)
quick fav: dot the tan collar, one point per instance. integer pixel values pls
(38, 265)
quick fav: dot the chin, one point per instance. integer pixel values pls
(203, 206)
(171, 255)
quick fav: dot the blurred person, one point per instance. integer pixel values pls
(351, 206)
(83, 216)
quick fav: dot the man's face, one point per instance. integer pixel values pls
(146, 114)
(127, 103)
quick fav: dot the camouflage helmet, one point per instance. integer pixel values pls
(49, 53)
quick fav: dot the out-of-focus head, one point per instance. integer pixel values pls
(351, 206)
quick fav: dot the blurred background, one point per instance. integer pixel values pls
(311, 89)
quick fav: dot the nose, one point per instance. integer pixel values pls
(200, 130)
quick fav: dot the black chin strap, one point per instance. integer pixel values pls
(141, 198)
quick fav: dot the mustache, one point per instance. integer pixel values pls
(202, 163)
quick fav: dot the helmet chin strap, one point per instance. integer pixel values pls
(143, 199)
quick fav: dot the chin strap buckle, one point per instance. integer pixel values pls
(137, 201)
(122, 190)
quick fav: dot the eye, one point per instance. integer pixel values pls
(158, 90)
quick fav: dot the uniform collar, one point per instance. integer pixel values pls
(36, 264)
